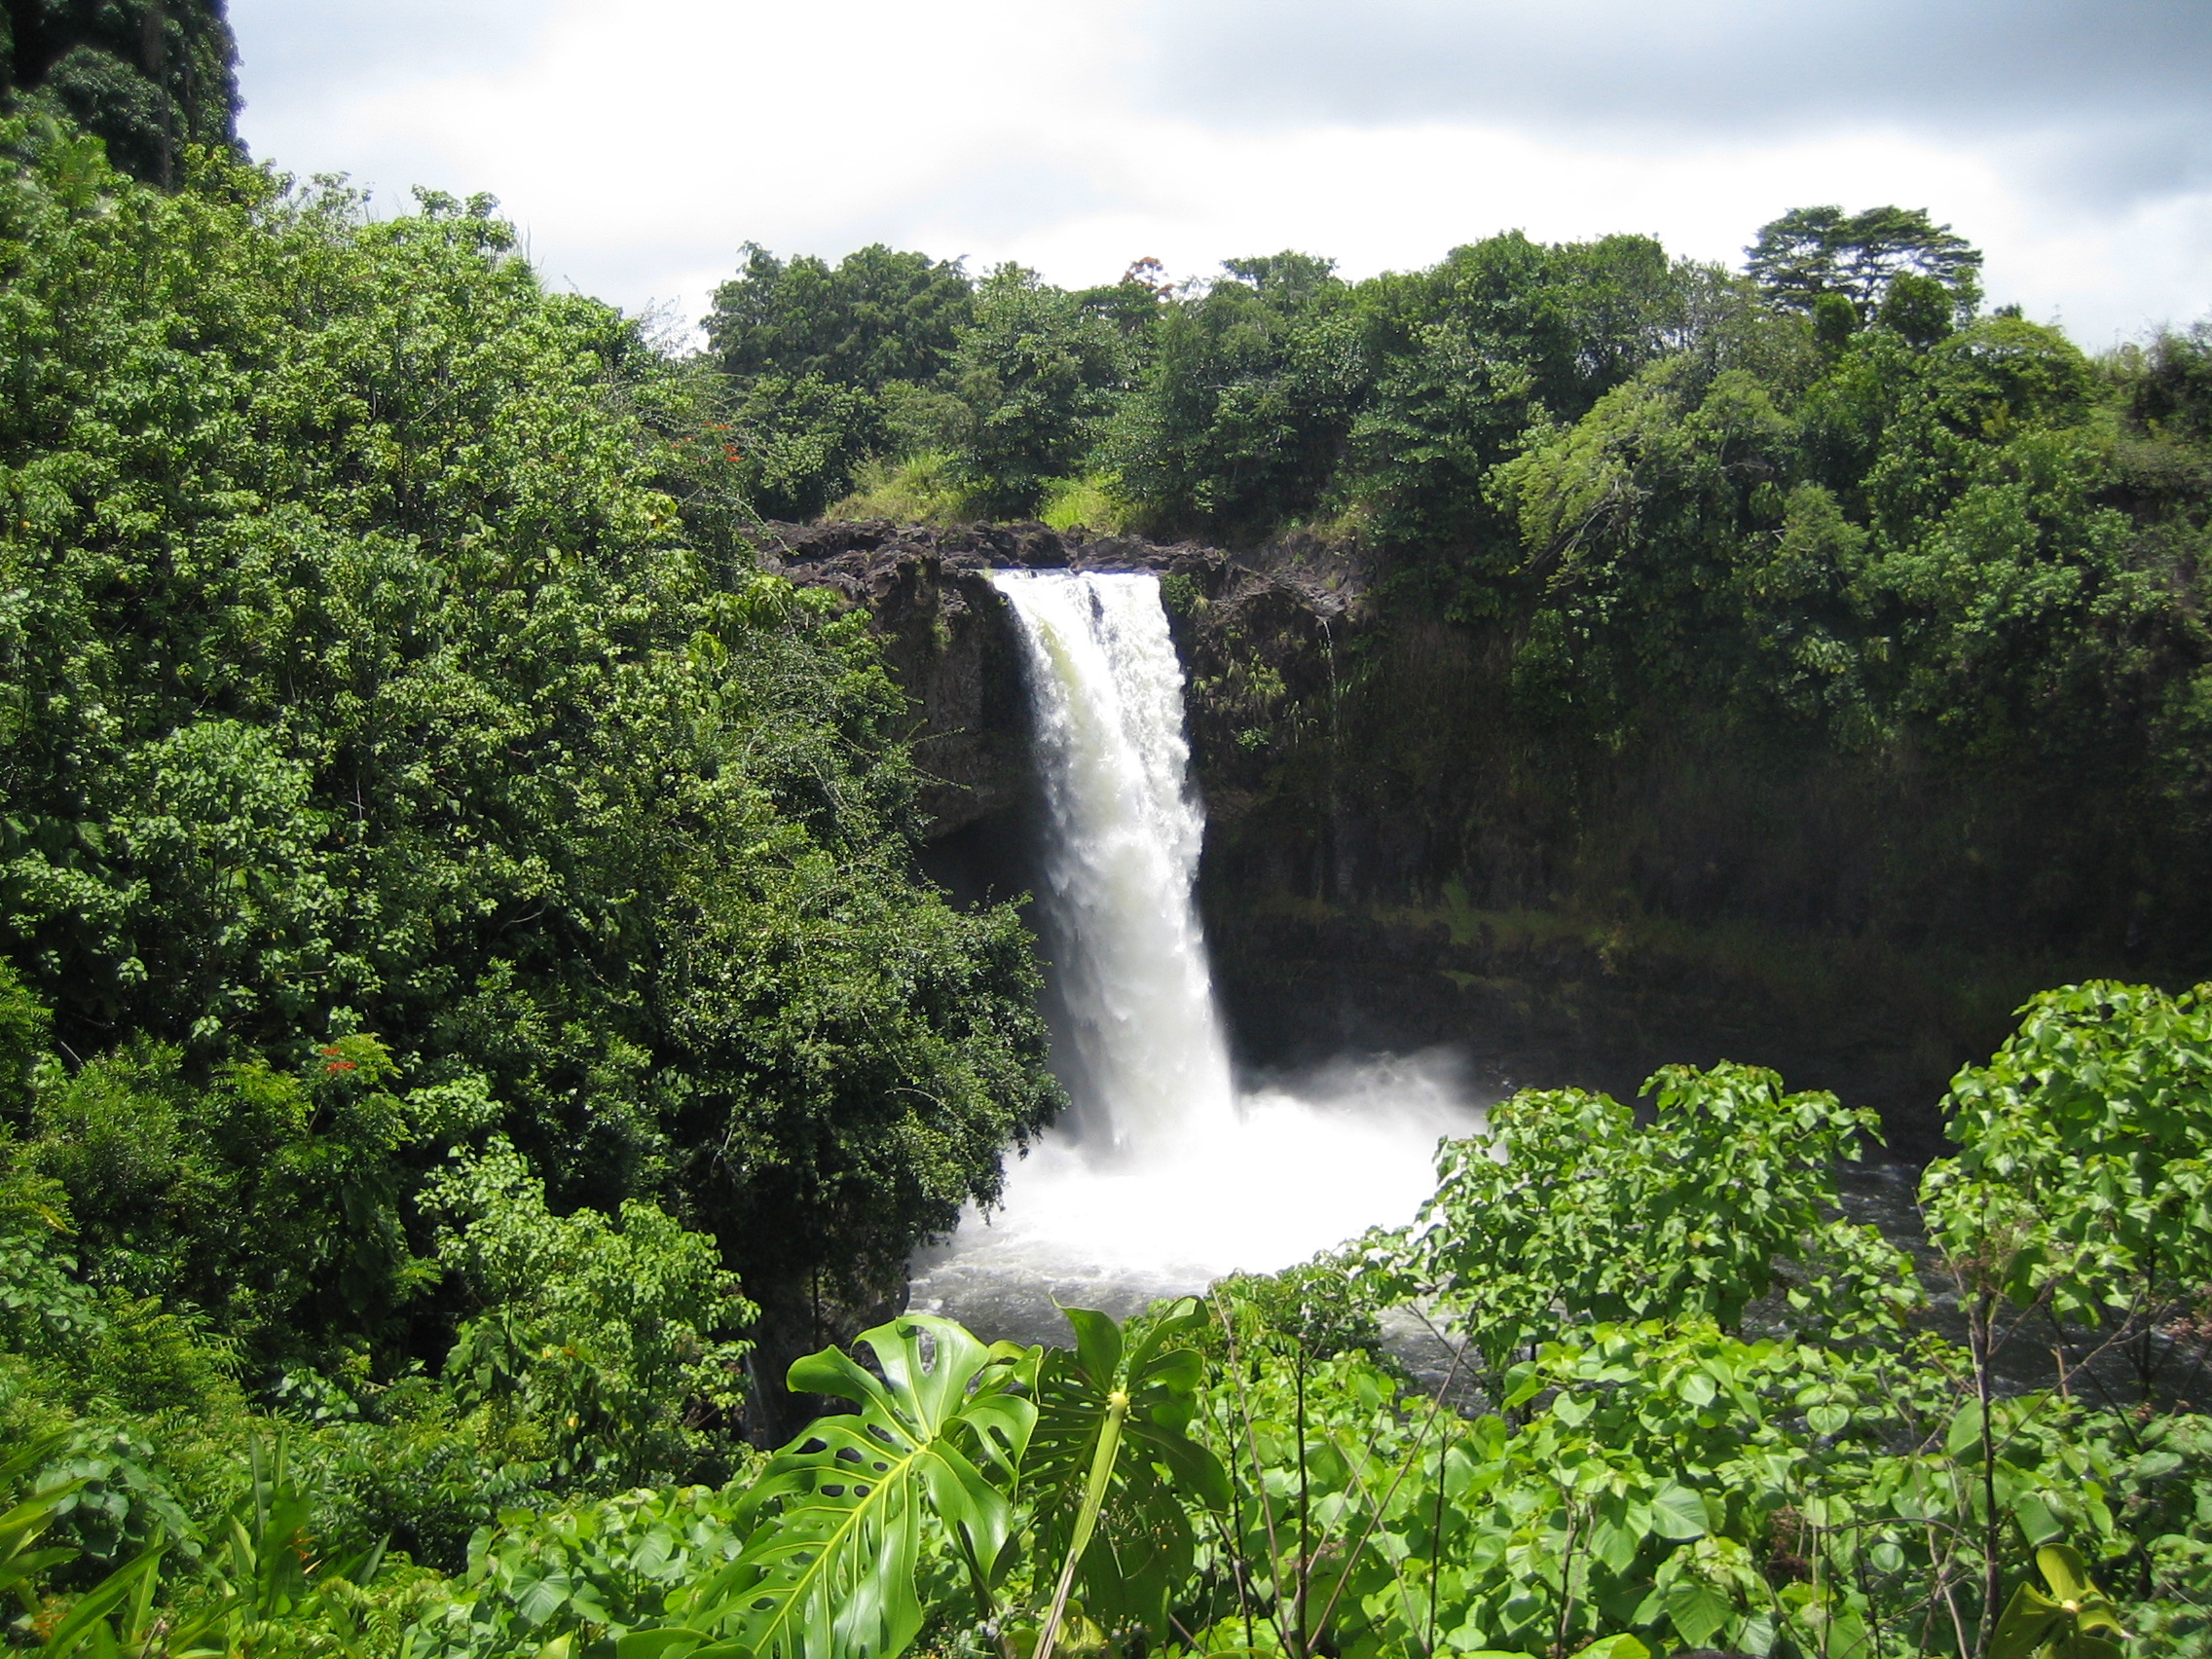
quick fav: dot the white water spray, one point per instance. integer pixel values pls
(1164, 1179)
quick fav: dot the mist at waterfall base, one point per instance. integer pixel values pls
(1308, 1163)
(1164, 1176)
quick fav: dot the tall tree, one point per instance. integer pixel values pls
(1237, 421)
(876, 316)
(1811, 251)
(1038, 368)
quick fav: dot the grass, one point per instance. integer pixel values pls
(925, 489)
(920, 489)
(1088, 501)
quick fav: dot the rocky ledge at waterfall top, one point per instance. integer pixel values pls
(1255, 629)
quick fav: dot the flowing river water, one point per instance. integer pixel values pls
(1163, 1174)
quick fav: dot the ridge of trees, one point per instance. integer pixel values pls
(1829, 505)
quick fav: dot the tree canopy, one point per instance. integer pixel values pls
(1811, 251)
(388, 764)
(149, 77)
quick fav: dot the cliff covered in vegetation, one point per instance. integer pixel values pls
(1806, 664)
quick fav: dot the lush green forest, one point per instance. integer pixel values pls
(1826, 519)
(1806, 660)
(472, 1010)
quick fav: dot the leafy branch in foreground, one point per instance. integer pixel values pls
(953, 1445)
(2069, 1623)
(1569, 1207)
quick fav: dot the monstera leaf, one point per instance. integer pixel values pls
(1108, 1461)
(2076, 1621)
(838, 1519)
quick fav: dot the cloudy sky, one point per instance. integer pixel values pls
(638, 142)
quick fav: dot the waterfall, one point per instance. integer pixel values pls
(1161, 1177)
(1149, 1066)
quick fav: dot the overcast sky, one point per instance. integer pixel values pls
(638, 142)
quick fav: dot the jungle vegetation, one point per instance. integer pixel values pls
(1825, 532)
(150, 78)
(471, 1006)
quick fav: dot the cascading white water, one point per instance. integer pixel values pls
(1151, 1067)
(1165, 1178)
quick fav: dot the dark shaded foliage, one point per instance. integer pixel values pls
(148, 77)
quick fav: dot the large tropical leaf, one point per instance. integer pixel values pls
(1141, 1550)
(838, 1516)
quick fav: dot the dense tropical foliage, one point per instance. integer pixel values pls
(463, 921)
(1758, 1426)
(470, 1011)
(1824, 542)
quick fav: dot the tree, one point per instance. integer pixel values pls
(149, 77)
(1036, 368)
(798, 441)
(1919, 309)
(1504, 331)
(1811, 251)
(1238, 419)
(1570, 1212)
(876, 315)
(600, 1335)
(2168, 386)
(362, 679)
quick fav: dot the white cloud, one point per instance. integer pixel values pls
(639, 144)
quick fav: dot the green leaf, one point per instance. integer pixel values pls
(2065, 1572)
(2037, 1523)
(660, 1644)
(31, 1517)
(1614, 1544)
(837, 1517)
(1965, 1433)
(1677, 1512)
(1522, 1384)
(2030, 1620)
(2067, 1618)
(33, 1562)
(540, 1599)
(1142, 1550)
(1623, 1646)
(24, 1458)
(93, 1606)
(1824, 1420)
(1698, 1611)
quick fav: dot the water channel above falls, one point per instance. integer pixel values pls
(1163, 1174)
